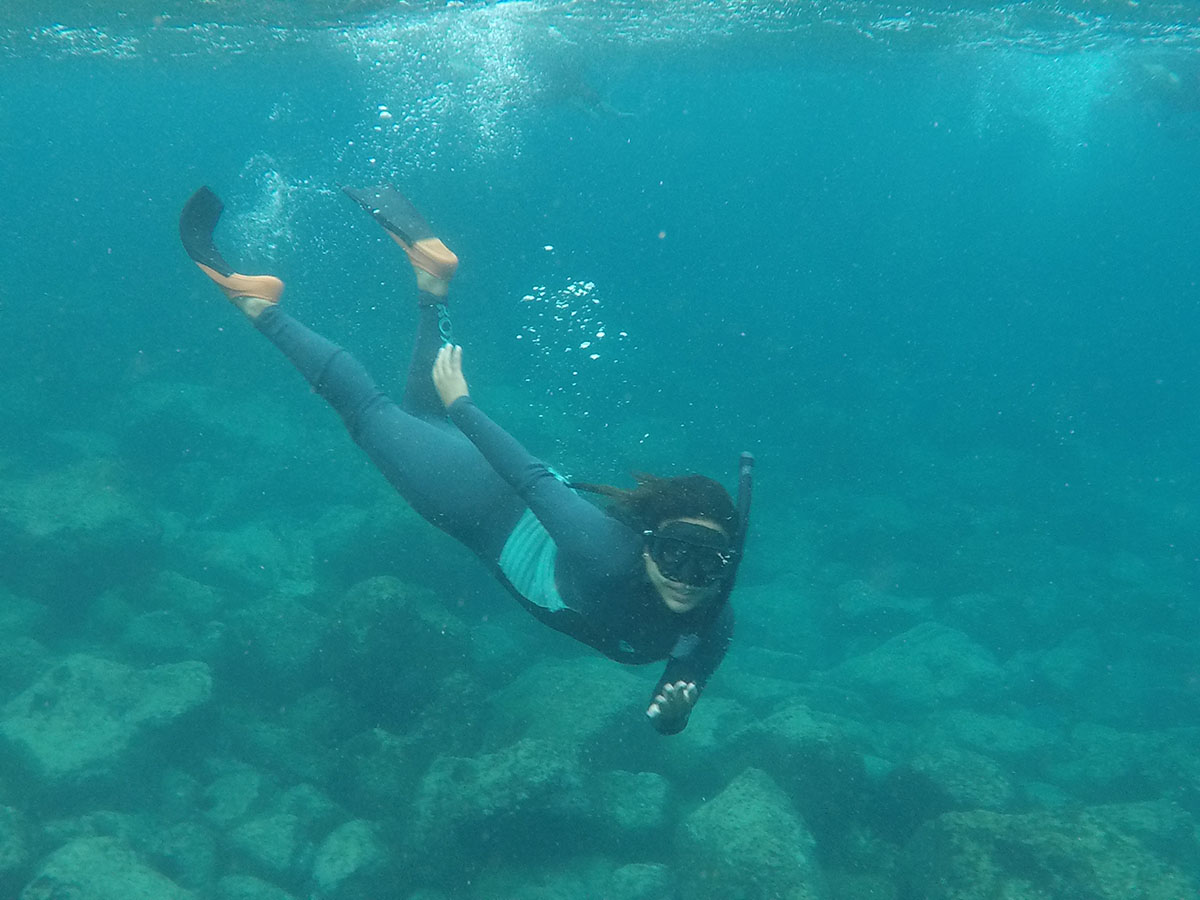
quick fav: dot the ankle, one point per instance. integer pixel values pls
(251, 307)
(431, 284)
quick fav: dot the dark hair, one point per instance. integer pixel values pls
(656, 499)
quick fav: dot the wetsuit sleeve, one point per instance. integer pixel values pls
(579, 528)
(696, 665)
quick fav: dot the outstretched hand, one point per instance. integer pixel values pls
(674, 704)
(448, 374)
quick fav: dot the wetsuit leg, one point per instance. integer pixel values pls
(430, 462)
(433, 332)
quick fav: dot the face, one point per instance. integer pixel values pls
(679, 597)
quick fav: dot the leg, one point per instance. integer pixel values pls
(434, 265)
(433, 465)
(433, 332)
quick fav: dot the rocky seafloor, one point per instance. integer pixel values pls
(203, 695)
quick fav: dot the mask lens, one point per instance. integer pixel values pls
(687, 563)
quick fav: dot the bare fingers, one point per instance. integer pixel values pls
(674, 699)
(448, 375)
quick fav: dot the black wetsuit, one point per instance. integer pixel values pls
(467, 476)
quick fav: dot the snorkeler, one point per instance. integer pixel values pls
(645, 579)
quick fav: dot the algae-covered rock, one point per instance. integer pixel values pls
(100, 868)
(539, 872)
(348, 861)
(632, 806)
(873, 610)
(194, 600)
(14, 848)
(247, 887)
(379, 772)
(19, 615)
(255, 556)
(1016, 741)
(1128, 852)
(274, 645)
(1099, 763)
(162, 636)
(391, 645)
(926, 667)
(279, 844)
(67, 534)
(748, 843)
(709, 734)
(465, 807)
(232, 793)
(168, 618)
(815, 757)
(186, 852)
(272, 843)
(937, 779)
(544, 704)
(644, 881)
(86, 714)
(22, 659)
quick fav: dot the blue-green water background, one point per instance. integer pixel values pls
(947, 269)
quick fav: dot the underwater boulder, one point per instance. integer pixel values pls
(1118, 852)
(89, 716)
(279, 843)
(100, 868)
(273, 844)
(378, 772)
(1098, 763)
(260, 556)
(544, 704)
(186, 852)
(866, 609)
(1016, 741)
(164, 636)
(749, 843)
(467, 808)
(712, 726)
(390, 646)
(633, 807)
(382, 536)
(22, 659)
(926, 667)
(937, 779)
(350, 864)
(644, 881)
(19, 616)
(68, 534)
(815, 757)
(274, 646)
(236, 788)
(247, 887)
(14, 849)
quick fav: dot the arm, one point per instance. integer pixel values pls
(686, 674)
(578, 527)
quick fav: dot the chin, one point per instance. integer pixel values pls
(683, 603)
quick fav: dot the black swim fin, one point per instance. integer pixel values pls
(196, 225)
(407, 228)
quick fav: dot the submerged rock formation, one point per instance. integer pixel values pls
(86, 715)
(749, 843)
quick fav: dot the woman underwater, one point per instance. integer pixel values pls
(645, 580)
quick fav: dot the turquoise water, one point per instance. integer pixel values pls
(937, 268)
